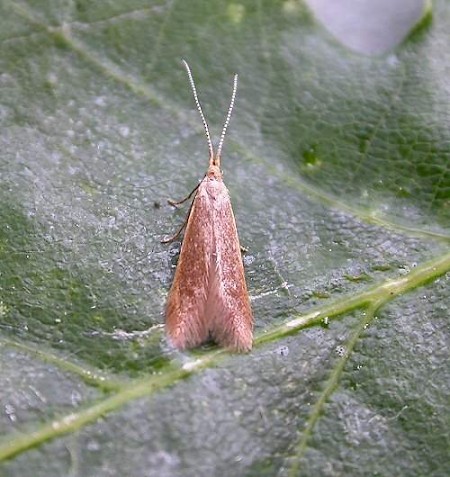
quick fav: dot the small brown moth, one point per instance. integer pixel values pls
(208, 298)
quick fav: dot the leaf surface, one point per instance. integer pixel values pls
(338, 164)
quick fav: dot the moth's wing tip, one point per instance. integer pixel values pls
(185, 339)
(244, 344)
(243, 348)
(237, 348)
(176, 343)
(236, 343)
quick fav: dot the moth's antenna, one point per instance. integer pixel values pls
(197, 102)
(227, 121)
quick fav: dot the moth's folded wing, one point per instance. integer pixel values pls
(228, 305)
(185, 310)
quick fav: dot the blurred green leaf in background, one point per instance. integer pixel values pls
(338, 163)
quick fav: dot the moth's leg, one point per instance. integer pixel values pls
(182, 201)
(178, 233)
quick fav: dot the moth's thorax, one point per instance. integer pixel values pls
(214, 173)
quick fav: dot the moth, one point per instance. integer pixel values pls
(208, 299)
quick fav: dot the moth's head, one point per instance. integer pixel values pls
(214, 172)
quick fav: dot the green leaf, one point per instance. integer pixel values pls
(338, 166)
